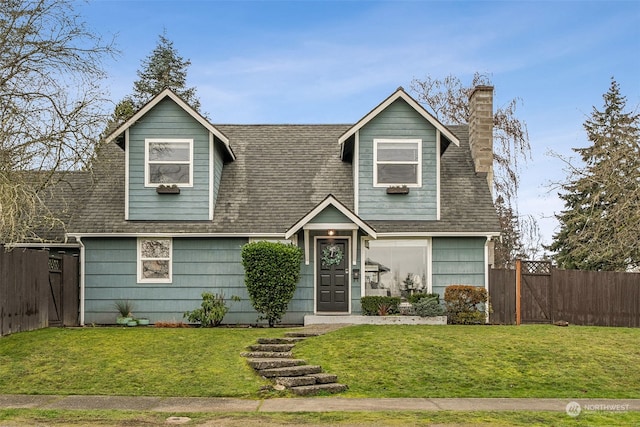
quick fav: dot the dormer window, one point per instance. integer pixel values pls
(168, 162)
(397, 162)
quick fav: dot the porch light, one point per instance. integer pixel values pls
(331, 232)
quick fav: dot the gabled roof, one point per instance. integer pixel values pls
(330, 201)
(399, 94)
(168, 93)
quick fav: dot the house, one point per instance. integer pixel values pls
(393, 204)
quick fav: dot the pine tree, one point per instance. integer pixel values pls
(600, 223)
(163, 69)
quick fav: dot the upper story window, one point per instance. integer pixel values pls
(397, 162)
(168, 162)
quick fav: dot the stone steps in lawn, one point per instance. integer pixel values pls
(271, 347)
(291, 371)
(268, 354)
(308, 390)
(261, 363)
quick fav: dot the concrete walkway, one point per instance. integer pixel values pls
(308, 404)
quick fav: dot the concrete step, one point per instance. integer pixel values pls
(284, 340)
(271, 347)
(262, 363)
(301, 334)
(323, 378)
(292, 371)
(268, 354)
(308, 390)
(296, 381)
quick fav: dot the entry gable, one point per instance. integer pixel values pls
(313, 220)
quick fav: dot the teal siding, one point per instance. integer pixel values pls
(457, 261)
(168, 120)
(218, 163)
(398, 121)
(330, 215)
(199, 265)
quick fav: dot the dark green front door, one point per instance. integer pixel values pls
(332, 269)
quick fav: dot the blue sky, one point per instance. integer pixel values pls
(333, 61)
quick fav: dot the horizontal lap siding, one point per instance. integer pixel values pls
(398, 121)
(199, 265)
(168, 120)
(458, 261)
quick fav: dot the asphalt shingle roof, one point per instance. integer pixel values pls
(281, 173)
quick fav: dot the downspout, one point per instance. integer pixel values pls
(79, 240)
(486, 277)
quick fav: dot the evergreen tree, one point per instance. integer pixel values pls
(600, 224)
(163, 68)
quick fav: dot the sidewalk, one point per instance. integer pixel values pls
(308, 404)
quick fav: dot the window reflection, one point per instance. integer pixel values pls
(396, 268)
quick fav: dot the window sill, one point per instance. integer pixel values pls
(403, 189)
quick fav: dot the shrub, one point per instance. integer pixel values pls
(417, 297)
(272, 271)
(379, 305)
(212, 310)
(465, 304)
(428, 307)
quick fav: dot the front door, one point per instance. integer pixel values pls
(332, 269)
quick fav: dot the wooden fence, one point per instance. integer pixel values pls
(37, 290)
(537, 293)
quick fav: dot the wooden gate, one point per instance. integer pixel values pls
(535, 291)
(63, 290)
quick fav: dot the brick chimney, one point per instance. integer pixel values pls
(481, 131)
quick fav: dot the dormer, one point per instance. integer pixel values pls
(173, 161)
(395, 151)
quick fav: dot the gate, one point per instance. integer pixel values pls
(535, 291)
(63, 290)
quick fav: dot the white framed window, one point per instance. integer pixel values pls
(168, 162)
(155, 259)
(397, 162)
(396, 267)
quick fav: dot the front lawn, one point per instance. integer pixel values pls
(481, 361)
(374, 361)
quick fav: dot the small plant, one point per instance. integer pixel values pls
(417, 297)
(124, 307)
(375, 305)
(428, 307)
(212, 310)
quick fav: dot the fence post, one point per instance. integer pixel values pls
(518, 288)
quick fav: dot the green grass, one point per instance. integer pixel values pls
(400, 418)
(375, 361)
(481, 361)
(131, 361)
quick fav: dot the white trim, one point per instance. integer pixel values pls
(438, 175)
(82, 282)
(422, 234)
(140, 261)
(356, 173)
(175, 98)
(400, 93)
(43, 245)
(176, 234)
(330, 225)
(315, 272)
(147, 177)
(429, 265)
(306, 246)
(330, 200)
(126, 174)
(486, 277)
(212, 171)
(418, 162)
